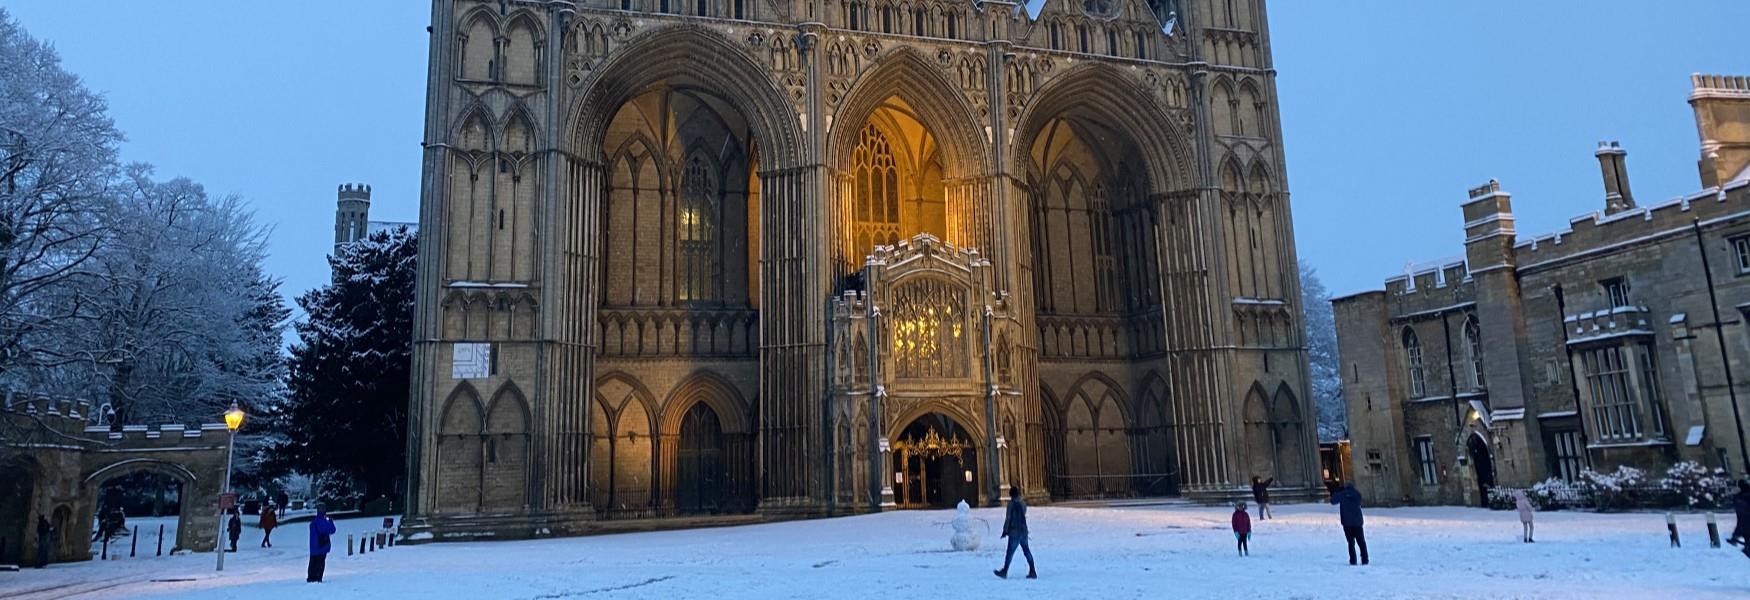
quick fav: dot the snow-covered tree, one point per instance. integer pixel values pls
(177, 321)
(57, 162)
(1321, 349)
(348, 378)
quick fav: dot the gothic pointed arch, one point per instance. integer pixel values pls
(459, 451)
(505, 470)
(524, 49)
(905, 73)
(1100, 92)
(477, 45)
(687, 55)
(706, 447)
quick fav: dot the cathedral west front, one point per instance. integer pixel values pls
(804, 258)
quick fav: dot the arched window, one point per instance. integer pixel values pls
(953, 26)
(1082, 37)
(1056, 31)
(877, 190)
(700, 7)
(697, 223)
(1413, 360)
(1112, 42)
(1473, 344)
(918, 19)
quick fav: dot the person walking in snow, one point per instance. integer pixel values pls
(1523, 504)
(1015, 528)
(1261, 495)
(1348, 502)
(1741, 507)
(269, 520)
(1242, 528)
(234, 528)
(321, 530)
(45, 540)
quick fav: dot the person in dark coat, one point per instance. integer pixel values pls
(45, 541)
(234, 528)
(269, 520)
(1242, 528)
(1015, 528)
(1740, 506)
(1261, 495)
(1348, 503)
(321, 530)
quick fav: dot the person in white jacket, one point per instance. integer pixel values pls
(1524, 505)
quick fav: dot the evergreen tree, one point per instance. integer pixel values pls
(347, 380)
(1321, 350)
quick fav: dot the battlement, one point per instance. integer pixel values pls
(1609, 148)
(74, 418)
(355, 191)
(1599, 232)
(1732, 86)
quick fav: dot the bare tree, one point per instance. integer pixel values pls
(57, 163)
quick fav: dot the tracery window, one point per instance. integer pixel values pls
(877, 191)
(697, 223)
(1413, 360)
(1473, 343)
(928, 329)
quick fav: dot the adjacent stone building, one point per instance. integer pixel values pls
(1621, 341)
(352, 215)
(698, 257)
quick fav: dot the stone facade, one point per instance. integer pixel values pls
(658, 238)
(1594, 347)
(53, 463)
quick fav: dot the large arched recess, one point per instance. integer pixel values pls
(687, 56)
(1102, 93)
(905, 78)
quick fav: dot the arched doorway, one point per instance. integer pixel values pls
(936, 462)
(111, 486)
(1482, 461)
(701, 476)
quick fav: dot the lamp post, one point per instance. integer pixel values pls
(233, 422)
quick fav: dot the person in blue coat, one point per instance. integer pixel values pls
(321, 534)
(1348, 503)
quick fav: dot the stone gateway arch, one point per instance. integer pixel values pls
(694, 258)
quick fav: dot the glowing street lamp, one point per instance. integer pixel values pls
(233, 422)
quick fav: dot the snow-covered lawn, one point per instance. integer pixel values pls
(1144, 552)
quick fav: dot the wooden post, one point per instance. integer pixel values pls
(1671, 526)
(1713, 531)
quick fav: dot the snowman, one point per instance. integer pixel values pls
(965, 539)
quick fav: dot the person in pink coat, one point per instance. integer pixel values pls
(1524, 505)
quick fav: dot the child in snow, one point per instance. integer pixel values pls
(234, 528)
(1261, 495)
(1242, 528)
(1524, 505)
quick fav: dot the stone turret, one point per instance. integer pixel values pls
(352, 213)
(1613, 163)
(1722, 118)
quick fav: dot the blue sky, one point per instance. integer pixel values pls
(1391, 109)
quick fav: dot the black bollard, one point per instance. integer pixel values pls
(1671, 526)
(349, 544)
(160, 539)
(134, 542)
(1713, 532)
(106, 547)
(362, 541)
(373, 543)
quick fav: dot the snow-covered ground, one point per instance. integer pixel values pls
(1143, 552)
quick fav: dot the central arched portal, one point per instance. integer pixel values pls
(936, 462)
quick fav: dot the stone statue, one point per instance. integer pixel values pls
(965, 539)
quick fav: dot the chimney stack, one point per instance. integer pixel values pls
(1613, 162)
